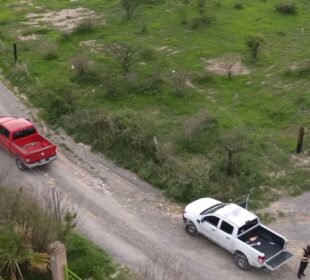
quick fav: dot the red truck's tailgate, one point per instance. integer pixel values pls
(35, 148)
(41, 154)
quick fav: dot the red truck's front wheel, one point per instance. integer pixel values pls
(20, 165)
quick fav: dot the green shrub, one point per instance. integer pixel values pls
(183, 15)
(84, 71)
(302, 100)
(147, 54)
(85, 26)
(204, 19)
(302, 70)
(286, 8)
(20, 72)
(65, 36)
(254, 42)
(49, 51)
(187, 180)
(87, 261)
(245, 176)
(238, 6)
(125, 134)
(55, 106)
(200, 132)
(80, 65)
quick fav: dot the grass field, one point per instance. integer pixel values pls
(167, 117)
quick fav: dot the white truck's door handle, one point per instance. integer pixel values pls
(213, 229)
(227, 238)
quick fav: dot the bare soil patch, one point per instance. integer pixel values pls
(65, 20)
(221, 66)
(168, 50)
(94, 45)
(302, 160)
(30, 37)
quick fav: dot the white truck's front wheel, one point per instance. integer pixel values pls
(191, 229)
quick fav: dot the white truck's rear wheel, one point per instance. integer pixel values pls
(241, 261)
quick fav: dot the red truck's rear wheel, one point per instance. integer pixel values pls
(20, 165)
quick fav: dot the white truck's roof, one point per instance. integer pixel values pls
(235, 214)
(201, 204)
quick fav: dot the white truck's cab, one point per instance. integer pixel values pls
(237, 230)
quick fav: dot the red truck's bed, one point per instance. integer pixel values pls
(32, 143)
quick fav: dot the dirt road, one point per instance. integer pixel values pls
(126, 216)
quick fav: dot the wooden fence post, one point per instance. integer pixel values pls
(300, 140)
(58, 260)
(230, 163)
(15, 52)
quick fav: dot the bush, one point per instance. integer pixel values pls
(302, 101)
(244, 176)
(187, 180)
(65, 36)
(55, 106)
(286, 8)
(123, 134)
(85, 26)
(49, 51)
(87, 261)
(147, 54)
(84, 71)
(20, 72)
(238, 6)
(254, 42)
(17, 206)
(301, 70)
(203, 20)
(199, 132)
(183, 15)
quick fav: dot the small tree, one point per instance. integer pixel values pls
(229, 62)
(130, 6)
(80, 64)
(124, 55)
(254, 42)
(179, 82)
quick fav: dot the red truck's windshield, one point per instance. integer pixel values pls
(23, 133)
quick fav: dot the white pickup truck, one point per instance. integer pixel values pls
(237, 230)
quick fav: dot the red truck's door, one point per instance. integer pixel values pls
(4, 138)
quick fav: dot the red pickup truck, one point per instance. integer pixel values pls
(21, 139)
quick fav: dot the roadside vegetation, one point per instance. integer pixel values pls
(199, 98)
(28, 224)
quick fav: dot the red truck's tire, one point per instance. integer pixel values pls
(241, 261)
(20, 165)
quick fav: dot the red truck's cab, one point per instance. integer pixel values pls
(21, 139)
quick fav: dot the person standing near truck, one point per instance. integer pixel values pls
(305, 256)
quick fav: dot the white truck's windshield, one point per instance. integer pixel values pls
(213, 208)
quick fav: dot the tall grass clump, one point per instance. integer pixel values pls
(287, 8)
(85, 26)
(49, 51)
(238, 6)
